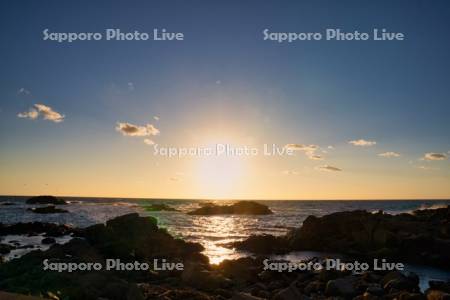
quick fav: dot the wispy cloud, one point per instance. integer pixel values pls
(301, 147)
(389, 154)
(328, 168)
(156, 118)
(310, 150)
(315, 156)
(290, 172)
(23, 91)
(178, 176)
(31, 114)
(426, 168)
(128, 129)
(49, 114)
(149, 142)
(434, 156)
(130, 86)
(362, 143)
(45, 111)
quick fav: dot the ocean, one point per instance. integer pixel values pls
(214, 231)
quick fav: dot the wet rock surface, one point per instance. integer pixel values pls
(239, 208)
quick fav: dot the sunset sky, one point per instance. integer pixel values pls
(367, 119)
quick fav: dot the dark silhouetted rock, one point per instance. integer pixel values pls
(341, 287)
(133, 238)
(440, 285)
(262, 244)
(290, 293)
(128, 238)
(421, 237)
(5, 249)
(159, 207)
(48, 241)
(239, 208)
(245, 296)
(34, 228)
(437, 295)
(242, 270)
(45, 200)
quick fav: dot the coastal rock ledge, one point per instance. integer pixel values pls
(133, 238)
(419, 237)
(239, 208)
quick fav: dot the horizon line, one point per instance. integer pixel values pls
(233, 199)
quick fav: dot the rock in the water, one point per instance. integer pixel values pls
(239, 208)
(262, 244)
(48, 241)
(159, 207)
(47, 210)
(5, 249)
(45, 200)
(34, 228)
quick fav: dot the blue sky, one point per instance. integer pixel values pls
(224, 78)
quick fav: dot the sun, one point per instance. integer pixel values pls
(220, 176)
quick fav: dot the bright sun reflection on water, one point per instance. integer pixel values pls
(224, 228)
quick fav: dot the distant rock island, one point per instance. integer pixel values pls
(239, 208)
(45, 200)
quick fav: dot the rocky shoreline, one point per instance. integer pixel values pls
(421, 237)
(132, 238)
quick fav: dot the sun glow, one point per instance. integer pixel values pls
(219, 176)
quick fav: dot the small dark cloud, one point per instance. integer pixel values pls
(328, 168)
